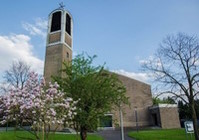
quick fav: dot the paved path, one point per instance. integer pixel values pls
(113, 135)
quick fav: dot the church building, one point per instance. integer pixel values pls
(141, 113)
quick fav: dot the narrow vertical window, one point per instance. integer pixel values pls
(56, 22)
(68, 24)
(67, 55)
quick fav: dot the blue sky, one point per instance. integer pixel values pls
(120, 32)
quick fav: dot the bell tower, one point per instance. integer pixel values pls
(59, 42)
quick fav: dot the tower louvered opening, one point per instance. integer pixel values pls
(68, 24)
(56, 21)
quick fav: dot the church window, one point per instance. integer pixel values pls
(56, 22)
(106, 121)
(67, 55)
(68, 24)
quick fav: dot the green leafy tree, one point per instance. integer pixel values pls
(167, 100)
(185, 111)
(97, 91)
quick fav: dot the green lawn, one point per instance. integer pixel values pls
(12, 135)
(168, 134)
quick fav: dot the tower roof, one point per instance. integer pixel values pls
(61, 8)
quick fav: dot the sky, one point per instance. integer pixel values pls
(122, 33)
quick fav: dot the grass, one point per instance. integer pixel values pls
(12, 135)
(164, 134)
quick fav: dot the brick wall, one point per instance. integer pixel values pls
(139, 94)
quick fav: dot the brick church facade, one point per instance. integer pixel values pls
(59, 46)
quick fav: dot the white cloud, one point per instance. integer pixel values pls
(75, 53)
(38, 28)
(156, 61)
(41, 23)
(145, 61)
(138, 76)
(18, 47)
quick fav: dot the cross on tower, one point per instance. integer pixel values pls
(61, 5)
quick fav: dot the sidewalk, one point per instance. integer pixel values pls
(113, 135)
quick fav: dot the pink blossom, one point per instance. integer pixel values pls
(37, 104)
(33, 111)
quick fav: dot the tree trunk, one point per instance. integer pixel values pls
(195, 125)
(83, 133)
(46, 132)
(43, 131)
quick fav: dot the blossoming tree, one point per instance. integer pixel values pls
(45, 109)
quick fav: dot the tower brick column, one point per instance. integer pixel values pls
(59, 42)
